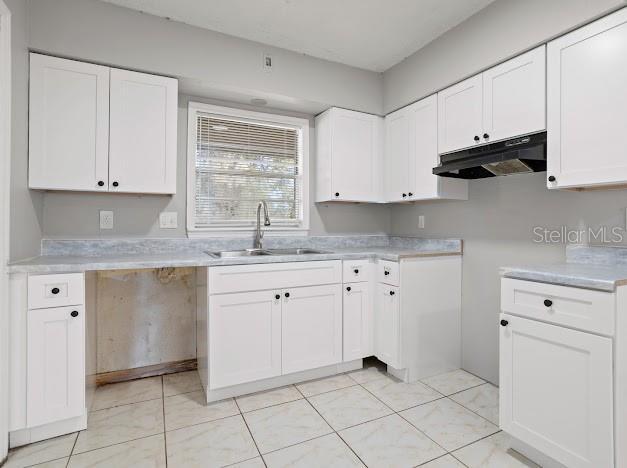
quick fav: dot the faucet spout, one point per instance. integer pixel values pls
(266, 222)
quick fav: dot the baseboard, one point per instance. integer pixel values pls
(146, 371)
(280, 381)
(47, 431)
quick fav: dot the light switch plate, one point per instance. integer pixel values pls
(421, 222)
(168, 220)
(106, 219)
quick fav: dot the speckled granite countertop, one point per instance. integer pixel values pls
(137, 257)
(590, 267)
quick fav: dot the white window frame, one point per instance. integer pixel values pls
(252, 116)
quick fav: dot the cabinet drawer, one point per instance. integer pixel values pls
(572, 307)
(356, 271)
(55, 290)
(236, 278)
(388, 272)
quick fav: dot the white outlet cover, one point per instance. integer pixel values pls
(421, 222)
(168, 220)
(106, 219)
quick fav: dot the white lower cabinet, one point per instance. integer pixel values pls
(357, 330)
(387, 325)
(55, 364)
(312, 327)
(244, 337)
(557, 383)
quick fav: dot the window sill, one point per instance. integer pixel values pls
(246, 232)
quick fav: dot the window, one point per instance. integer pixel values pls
(237, 158)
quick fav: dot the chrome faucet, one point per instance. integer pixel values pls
(266, 222)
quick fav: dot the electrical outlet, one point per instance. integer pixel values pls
(421, 222)
(267, 62)
(168, 220)
(106, 219)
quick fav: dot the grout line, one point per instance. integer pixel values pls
(74, 446)
(125, 404)
(118, 443)
(165, 437)
(249, 431)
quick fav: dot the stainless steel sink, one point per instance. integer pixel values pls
(238, 253)
(299, 251)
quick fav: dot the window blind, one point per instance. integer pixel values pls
(239, 163)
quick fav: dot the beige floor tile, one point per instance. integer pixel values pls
(449, 424)
(367, 374)
(328, 451)
(121, 424)
(483, 400)
(327, 384)
(188, 409)
(348, 406)
(256, 462)
(493, 452)
(39, 452)
(123, 393)
(400, 395)
(140, 453)
(183, 382)
(260, 400)
(453, 382)
(216, 443)
(59, 463)
(447, 461)
(287, 424)
(390, 442)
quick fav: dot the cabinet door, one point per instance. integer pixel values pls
(356, 147)
(68, 124)
(397, 154)
(586, 76)
(312, 327)
(142, 155)
(556, 391)
(357, 328)
(244, 337)
(423, 148)
(55, 364)
(387, 325)
(514, 97)
(460, 115)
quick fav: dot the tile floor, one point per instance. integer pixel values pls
(362, 418)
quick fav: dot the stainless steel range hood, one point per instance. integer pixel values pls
(518, 155)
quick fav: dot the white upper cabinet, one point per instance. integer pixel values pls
(69, 124)
(95, 128)
(514, 97)
(586, 76)
(349, 149)
(142, 152)
(411, 153)
(503, 102)
(460, 117)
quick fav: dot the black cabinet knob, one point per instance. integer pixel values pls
(551, 178)
(411, 194)
(486, 136)
(476, 137)
(115, 184)
(504, 323)
(277, 296)
(337, 194)
(356, 271)
(386, 272)
(548, 302)
(100, 183)
(287, 294)
(54, 290)
(74, 313)
(404, 195)
(348, 288)
(391, 293)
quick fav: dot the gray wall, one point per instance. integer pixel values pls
(75, 215)
(501, 30)
(26, 206)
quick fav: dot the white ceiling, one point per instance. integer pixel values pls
(369, 34)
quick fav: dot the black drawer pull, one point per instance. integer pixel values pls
(74, 313)
(504, 323)
(392, 293)
(348, 289)
(287, 294)
(277, 297)
(548, 302)
(356, 271)
(55, 290)
(386, 272)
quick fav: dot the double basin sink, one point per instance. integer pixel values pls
(256, 252)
